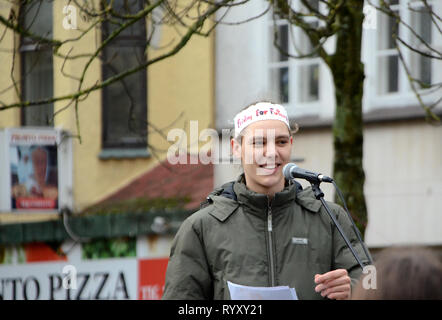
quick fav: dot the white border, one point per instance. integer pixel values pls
(64, 169)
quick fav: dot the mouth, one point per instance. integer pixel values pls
(270, 168)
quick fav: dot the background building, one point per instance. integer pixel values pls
(111, 153)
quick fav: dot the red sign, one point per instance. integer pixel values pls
(151, 278)
(41, 252)
(35, 203)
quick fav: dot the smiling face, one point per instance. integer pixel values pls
(264, 150)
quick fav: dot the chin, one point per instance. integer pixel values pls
(269, 181)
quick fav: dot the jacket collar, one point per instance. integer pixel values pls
(258, 203)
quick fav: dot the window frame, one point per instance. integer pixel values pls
(28, 46)
(324, 108)
(112, 149)
(295, 107)
(404, 97)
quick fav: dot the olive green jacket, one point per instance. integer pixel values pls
(254, 241)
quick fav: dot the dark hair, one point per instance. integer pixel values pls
(404, 273)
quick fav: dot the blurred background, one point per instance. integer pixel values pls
(94, 96)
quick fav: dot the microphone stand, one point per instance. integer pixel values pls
(319, 195)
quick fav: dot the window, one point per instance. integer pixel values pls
(392, 76)
(308, 74)
(279, 63)
(293, 81)
(421, 66)
(125, 101)
(387, 55)
(36, 63)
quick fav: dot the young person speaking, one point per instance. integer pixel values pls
(262, 230)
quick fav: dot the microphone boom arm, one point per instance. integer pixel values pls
(320, 196)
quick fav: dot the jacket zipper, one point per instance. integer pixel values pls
(270, 243)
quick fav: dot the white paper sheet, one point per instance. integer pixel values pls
(240, 292)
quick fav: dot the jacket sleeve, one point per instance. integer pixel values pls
(188, 276)
(342, 256)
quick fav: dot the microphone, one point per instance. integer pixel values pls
(292, 171)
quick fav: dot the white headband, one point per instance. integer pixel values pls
(258, 112)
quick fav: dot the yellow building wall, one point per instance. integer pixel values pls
(180, 85)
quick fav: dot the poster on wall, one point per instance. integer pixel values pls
(32, 164)
(34, 176)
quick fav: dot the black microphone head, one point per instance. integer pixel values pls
(287, 170)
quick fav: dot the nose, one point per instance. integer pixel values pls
(270, 150)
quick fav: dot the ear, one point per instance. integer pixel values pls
(236, 148)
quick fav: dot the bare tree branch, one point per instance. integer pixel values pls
(236, 23)
(284, 10)
(82, 92)
(385, 8)
(412, 80)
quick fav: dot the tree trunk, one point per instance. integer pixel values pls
(348, 77)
